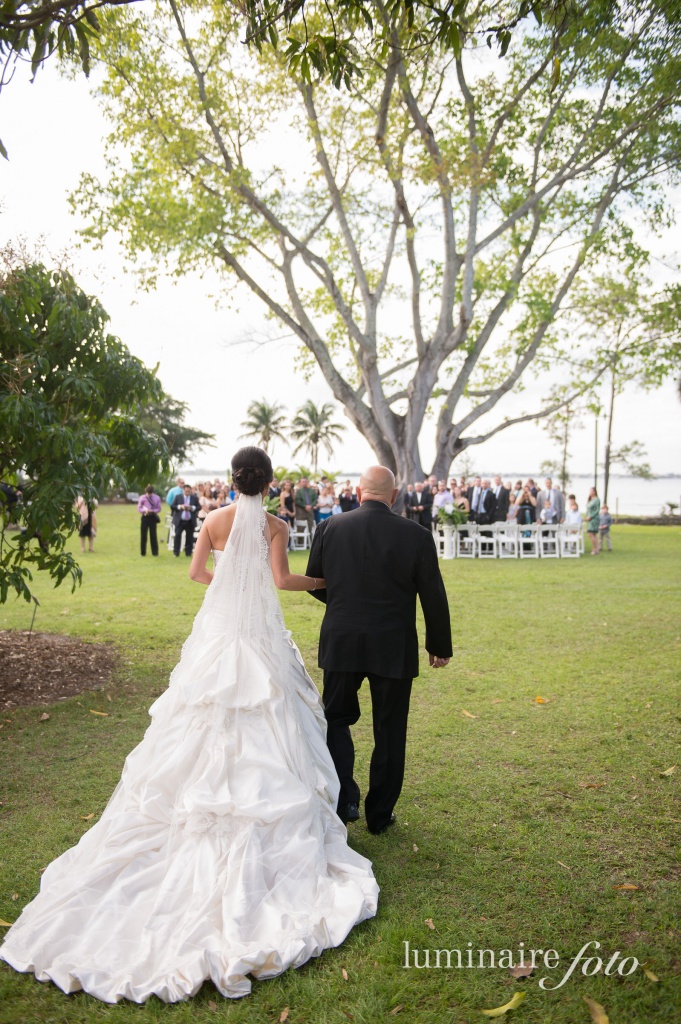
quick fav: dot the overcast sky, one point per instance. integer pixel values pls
(53, 130)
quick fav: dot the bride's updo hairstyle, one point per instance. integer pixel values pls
(251, 470)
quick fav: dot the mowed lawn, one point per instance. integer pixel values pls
(518, 821)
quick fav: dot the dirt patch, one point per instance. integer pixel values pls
(42, 668)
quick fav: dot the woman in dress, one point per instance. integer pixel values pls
(593, 512)
(460, 500)
(206, 500)
(88, 522)
(325, 503)
(219, 854)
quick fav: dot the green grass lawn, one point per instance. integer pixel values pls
(497, 843)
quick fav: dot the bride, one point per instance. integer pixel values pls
(219, 854)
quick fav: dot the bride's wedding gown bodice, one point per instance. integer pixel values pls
(219, 854)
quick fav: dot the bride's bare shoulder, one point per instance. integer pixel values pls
(219, 523)
(275, 523)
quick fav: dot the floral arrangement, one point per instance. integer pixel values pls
(450, 515)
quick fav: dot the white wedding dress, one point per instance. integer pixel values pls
(219, 854)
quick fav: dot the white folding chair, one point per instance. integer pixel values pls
(439, 538)
(487, 541)
(507, 540)
(466, 546)
(168, 527)
(569, 541)
(548, 541)
(528, 541)
(300, 537)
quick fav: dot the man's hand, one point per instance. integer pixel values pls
(436, 662)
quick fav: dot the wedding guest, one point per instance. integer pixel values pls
(305, 502)
(336, 510)
(275, 489)
(573, 517)
(512, 514)
(593, 515)
(553, 495)
(324, 503)
(485, 509)
(149, 507)
(185, 510)
(443, 497)
(421, 503)
(460, 500)
(548, 515)
(221, 498)
(473, 494)
(604, 524)
(206, 502)
(527, 507)
(348, 500)
(174, 491)
(518, 489)
(88, 522)
(534, 490)
(502, 496)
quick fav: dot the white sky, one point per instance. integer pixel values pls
(53, 130)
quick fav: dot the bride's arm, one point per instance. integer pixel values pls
(285, 579)
(202, 549)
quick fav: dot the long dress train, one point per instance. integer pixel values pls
(219, 854)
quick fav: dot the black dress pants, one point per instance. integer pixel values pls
(390, 709)
(185, 526)
(149, 527)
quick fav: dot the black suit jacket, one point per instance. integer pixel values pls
(503, 502)
(489, 506)
(425, 518)
(182, 499)
(375, 563)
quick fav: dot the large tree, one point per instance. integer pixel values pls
(69, 394)
(424, 243)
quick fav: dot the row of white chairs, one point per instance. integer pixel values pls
(301, 537)
(510, 540)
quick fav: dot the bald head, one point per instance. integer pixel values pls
(377, 483)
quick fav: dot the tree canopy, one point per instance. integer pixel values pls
(69, 393)
(423, 239)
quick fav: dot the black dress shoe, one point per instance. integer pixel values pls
(382, 828)
(353, 812)
(349, 812)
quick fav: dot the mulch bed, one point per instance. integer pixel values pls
(42, 668)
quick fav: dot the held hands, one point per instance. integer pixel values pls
(436, 662)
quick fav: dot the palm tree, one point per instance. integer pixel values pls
(312, 427)
(265, 422)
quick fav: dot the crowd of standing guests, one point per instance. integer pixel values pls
(483, 502)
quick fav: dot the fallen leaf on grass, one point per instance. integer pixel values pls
(540, 700)
(15, 895)
(499, 700)
(86, 817)
(598, 1014)
(592, 785)
(627, 886)
(396, 1009)
(670, 771)
(344, 973)
(5, 924)
(499, 1011)
(416, 849)
(648, 973)
(108, 696)
(468, 714)
(429, 922)
(520, 972)
(212, 1005)
(283, 1015)
(44, 716)
(104, 714)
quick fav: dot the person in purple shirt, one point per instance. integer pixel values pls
(149, 507)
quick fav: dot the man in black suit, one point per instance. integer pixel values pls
(375, 563)
(502, 497)
(485, 507)
(473, 493)
(185, 508)
(420, 505)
